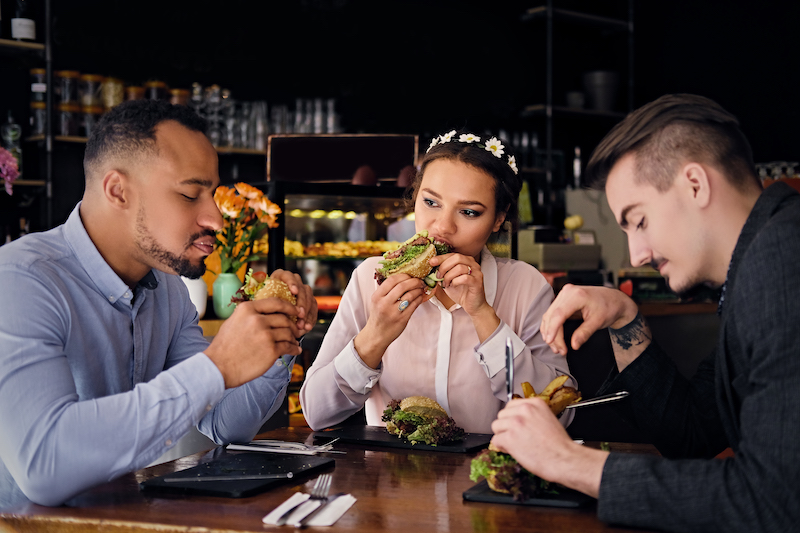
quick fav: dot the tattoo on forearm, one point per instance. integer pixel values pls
(633, 333)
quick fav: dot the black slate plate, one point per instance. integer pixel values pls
(565, 497)
(237, 464)
(378, 436)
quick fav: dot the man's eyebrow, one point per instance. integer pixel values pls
(623, 216)
(198, 181)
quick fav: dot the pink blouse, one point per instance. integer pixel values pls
(438, 355)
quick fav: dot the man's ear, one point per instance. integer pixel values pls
(697, 183)
(115, 189)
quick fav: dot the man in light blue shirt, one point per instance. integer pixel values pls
(103, 366)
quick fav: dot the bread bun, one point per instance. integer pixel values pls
(422, 406)
(417, 267)
(274, 288)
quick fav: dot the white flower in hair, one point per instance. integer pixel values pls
(512, 162)
(434, 142)
(469, 138)
(447, 137)
(495, 146)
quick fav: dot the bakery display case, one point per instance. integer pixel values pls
(342, 200)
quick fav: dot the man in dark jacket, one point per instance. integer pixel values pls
(680, 180)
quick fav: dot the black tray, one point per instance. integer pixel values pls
(565, 497)
(378, 436)
(238, 464)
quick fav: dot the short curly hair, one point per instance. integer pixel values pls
(507, 184)
(129, 129)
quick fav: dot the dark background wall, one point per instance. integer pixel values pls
(425, 67)
(422, 66)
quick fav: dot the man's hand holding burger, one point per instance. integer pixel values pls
(264, 328)
(529, 431)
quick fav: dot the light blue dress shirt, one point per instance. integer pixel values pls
(96, 379)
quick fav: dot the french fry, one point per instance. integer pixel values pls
(553, 386)
(527, 390)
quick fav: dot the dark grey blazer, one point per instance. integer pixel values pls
(746, 395)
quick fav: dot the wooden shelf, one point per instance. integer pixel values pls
(29, 183)
(9, 46)
(222, 150)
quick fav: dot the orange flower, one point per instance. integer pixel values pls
(248, 215)
(248, 191)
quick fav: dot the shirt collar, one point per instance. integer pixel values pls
(108, 283)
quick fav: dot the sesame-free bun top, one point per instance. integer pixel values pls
(422, 406)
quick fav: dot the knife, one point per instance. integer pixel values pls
(509, 369)
(307, 518)
(599, 399)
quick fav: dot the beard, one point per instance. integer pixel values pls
(168, 261)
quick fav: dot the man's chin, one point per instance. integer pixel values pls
(187, 269)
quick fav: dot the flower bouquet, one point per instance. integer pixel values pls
(248, 216)
(9, 171)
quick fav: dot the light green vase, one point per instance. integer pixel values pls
(225, 286)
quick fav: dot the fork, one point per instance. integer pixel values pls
(318, 492)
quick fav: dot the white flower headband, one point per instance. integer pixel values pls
(493, 145)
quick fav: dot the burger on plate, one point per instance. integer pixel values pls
(412, 258)
(504, 474)
(419, 419)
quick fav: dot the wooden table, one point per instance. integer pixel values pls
(397, 490)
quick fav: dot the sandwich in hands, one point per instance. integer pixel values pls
(504, 474)
(412, 258)
(257, 286)
(420, 419)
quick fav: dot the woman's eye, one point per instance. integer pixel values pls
(471, 213)
(429, 202)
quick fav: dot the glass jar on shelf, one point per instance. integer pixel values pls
(38, 85)
(112, 92)
(179, 96)
(68, 118)
(66, 84)
(38, 117)
(156, 90)
(134, 92)
(90, 114)
(89, 88)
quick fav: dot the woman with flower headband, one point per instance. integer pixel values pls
(448, 344)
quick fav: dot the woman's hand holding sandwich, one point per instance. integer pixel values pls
(462, 282)
(389, 315)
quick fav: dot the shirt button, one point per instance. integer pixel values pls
(110, 298)
(169, 442)
(127, 295)
(208, 408)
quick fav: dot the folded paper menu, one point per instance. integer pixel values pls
(328, 516)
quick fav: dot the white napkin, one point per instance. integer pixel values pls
(327, 517)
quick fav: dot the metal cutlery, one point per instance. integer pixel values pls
(509, 369)
(307, 518)
(599, 399)
(318, 492)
